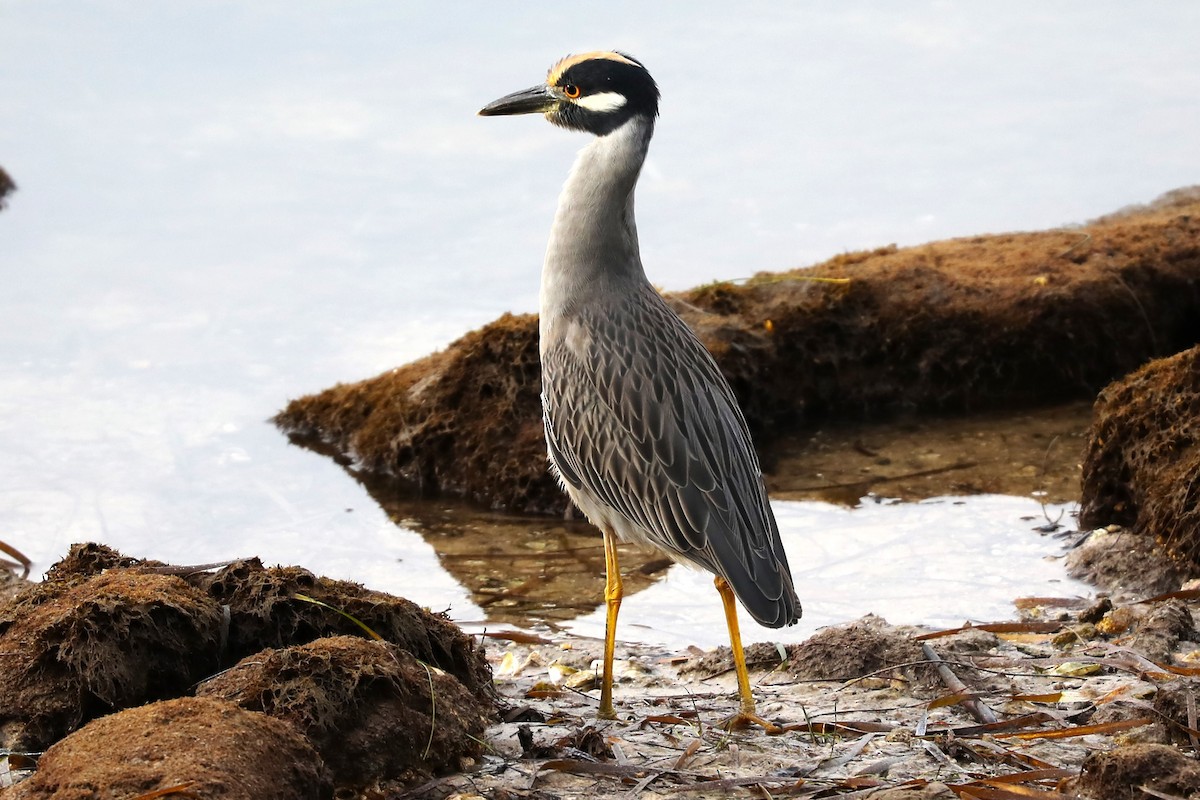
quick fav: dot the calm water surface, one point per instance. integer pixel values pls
(224, 206)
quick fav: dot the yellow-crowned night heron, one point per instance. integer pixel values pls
(642, 429)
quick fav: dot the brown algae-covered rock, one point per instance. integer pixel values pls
(1142, 464)
(188, 747)
(1124, 564)
(463, 422)
(106, 632)
(372, 710)
(843, 652)
(266, 609)
(835, 653)
(1121, 773)
(964, 324)
(78, 649)
(86, 559)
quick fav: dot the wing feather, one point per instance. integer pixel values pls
(640, 420)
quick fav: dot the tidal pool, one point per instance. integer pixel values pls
(942, 561)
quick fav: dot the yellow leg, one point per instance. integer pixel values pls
(612, 599)
(747, 715)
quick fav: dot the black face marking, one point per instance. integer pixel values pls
(600, 75)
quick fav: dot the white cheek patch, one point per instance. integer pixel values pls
(604, 101)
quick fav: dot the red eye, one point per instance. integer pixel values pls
(572, 91)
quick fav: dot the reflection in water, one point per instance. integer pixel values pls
(939, 562)
(521, 571)
(1009, 451)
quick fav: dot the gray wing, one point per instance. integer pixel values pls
(639, 417)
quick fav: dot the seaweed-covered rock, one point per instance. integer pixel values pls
(836, 653)
(105, 632)
(188, 747)
(1125, 564)
(1121, 773)
(842, 652)
(77, 649)
(266, 610)
(1142, 466)
(87, 559)
(463, 422)
(373, 711)
(964, 324)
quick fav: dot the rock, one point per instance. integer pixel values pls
(78, 648)
(365, 705)
(1095, 612)
(266, 611)
(836, 653)
(87, 559)
(972, 641)
(1123, 563)
(1119, 774)
(465, 422)
(106, 632)
(1159, 634)
(203, 747)
(1143, 457)
(964, 324)
(843, 652)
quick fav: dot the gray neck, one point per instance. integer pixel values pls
(593, 245)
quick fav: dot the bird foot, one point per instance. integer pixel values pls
(742, 720)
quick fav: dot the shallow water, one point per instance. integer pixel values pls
(197, 239)
(940, 562)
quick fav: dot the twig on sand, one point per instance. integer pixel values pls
(977, 708)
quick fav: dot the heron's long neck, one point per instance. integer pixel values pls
(593, 243)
